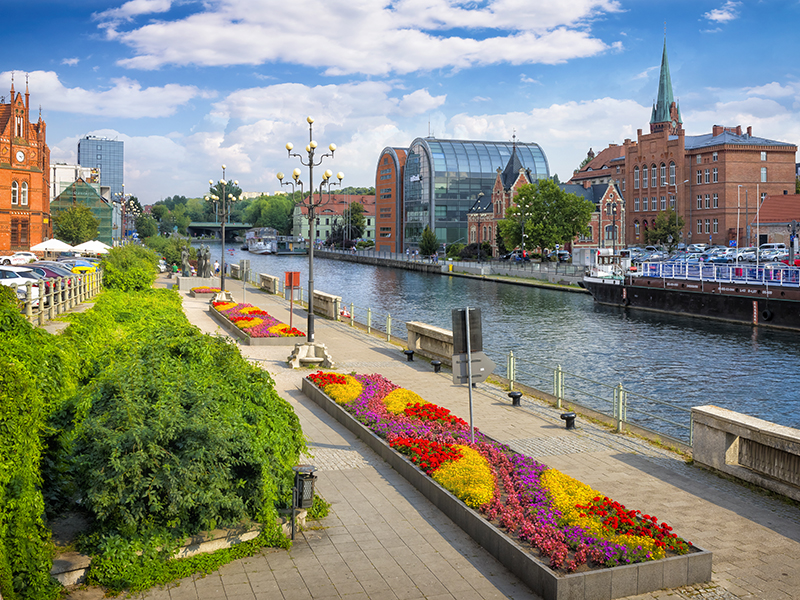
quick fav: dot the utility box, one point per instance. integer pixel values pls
(584, 256)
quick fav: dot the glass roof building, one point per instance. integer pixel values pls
(443, 178)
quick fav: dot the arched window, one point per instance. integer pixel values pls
(23, 198)
(14, 192)
(663, 174)
(636, 228)
(472, 234)
(644, 176)
(653, 176)
(484, 234)
(636, 178)
(609, 229)
(671, 173)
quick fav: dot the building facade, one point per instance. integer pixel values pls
(24, 176)
(331, 213)
(81, 192)
(388, 199)
(706, 178)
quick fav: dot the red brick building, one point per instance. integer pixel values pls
(706, 178)
(389, 200)
(24, 176)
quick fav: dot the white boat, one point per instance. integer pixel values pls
(262, 240)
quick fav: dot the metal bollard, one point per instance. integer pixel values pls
(409, 355)
(437, 365)
(515, 396)
(570, 419)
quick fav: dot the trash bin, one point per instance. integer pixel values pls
(304, 479)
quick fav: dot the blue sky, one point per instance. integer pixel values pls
(190, 85)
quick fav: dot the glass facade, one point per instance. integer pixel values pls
(108, 157)
(443, 178)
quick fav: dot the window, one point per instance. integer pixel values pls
(763, 196)
(609, 232)
(623, 185)
(23, 198)
(716, 200)
(699, 226)
(708, 226)
(636, 178)
(99, 157)
(644, 176)
(617, 168)
(14, 192)
(699, 159)
(699, 201)
(672, 202)
(672, 173)
(663, 203)
(708, 201)
(716, 225)
(708, 176)
(644, 204)
(653, 176)
(763, 156)
(636, 204)
(715, 175)
(763, 174)
(327, 221)
(699, 177)
(636, 228)
(714, 156)
(663, 172)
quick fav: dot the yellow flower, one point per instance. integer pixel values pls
(397, 400)
(247, 324)
(344, 393)
(251, 309)
(225, 306)
(469, 478)
(279, 328)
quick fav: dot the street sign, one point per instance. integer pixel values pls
(482, 367)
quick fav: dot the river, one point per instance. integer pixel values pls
(684, 361)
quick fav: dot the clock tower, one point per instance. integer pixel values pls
(24, 175)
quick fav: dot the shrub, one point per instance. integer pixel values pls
(129, 268)
(170, 248)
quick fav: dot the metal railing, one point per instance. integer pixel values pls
(56, 296)
(734, 273)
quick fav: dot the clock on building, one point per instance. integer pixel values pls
(20, 156)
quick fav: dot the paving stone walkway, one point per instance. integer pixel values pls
(384, 540)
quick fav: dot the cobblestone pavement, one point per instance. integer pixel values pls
(384, 540)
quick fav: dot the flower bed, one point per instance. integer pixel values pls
(253, 325)
(203, 290)
(559, 520)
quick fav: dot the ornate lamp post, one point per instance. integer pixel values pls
(312, 217)
(675, 185)
(614, 228)
(224, 206)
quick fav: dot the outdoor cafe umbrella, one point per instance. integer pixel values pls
(52, 245)
(93, 246)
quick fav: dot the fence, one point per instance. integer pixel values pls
(60, 295)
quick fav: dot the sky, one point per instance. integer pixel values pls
(191, 85)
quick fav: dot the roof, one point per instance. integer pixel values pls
(694, 142)
(607, 158)
(780, 208)
(483, 204)
(594, 193)
(511, 172)
(665, 98)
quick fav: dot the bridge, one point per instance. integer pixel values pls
(200, 228)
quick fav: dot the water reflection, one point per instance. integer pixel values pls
(678, 359)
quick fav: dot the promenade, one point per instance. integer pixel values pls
(384, 541)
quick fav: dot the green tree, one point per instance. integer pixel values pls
(797, 186)
(354, 222)
(547, 214)
(146, 226)
(76, 225)
(665, 230)
(159, 211)
(428, 244)
(130, 268)
(501, 244)
(271, 211)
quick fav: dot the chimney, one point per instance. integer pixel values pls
(716, 130)
(749, 131)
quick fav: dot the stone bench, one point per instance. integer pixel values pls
(751, 449)
(430, 341)
(268, 283)
(327, 305)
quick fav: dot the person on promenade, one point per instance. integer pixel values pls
(216, 267)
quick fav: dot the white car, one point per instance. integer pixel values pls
(18, 258)
(20, 276)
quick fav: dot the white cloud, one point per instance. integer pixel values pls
(525, 79)
(126, 98)
(70, 62)
(774, 90)
(381, 38)
(727, 12)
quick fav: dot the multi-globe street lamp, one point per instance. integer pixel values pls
(224, 216)
(311, 205)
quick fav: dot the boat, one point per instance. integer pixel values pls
(262, 240)
(753, 294)
(288, 244)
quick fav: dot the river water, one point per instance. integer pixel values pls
(679, 360)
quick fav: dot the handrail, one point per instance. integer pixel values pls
(741, 273)
(57, 295)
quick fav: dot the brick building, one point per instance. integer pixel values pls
(706, 177)
(389, 200)
(24, 176)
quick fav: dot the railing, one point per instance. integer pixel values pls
(734, 273)
(60, 295)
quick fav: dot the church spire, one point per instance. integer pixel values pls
(665, 111)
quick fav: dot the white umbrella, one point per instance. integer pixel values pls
(93, 246)
(53, 245)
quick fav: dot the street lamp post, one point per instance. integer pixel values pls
(738, 208)
(614, 228)
(312, 206)
(793, 231)
(675, 185)
(224, 206)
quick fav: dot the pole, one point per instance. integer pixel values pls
(746, 219)
(738, 209)
(224, 216)
(469, 378)
(312, 218)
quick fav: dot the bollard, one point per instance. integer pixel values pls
(409, 355)
(515, 396)
(570, 419)
(437, 365)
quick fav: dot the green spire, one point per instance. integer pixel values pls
(661, 109)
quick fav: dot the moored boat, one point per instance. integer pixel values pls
(262, 240)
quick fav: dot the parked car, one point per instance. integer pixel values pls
(20, 276)
(560, 255)
(77, 265)
(52, 271)
(18, 258)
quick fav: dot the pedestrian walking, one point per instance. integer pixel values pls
(216, 267)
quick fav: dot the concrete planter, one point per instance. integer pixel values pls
(194, 294)
(246, 339)
(599, 584)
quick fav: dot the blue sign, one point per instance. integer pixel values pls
(732, 243)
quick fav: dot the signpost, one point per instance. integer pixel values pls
(468, 355)
(292, 281)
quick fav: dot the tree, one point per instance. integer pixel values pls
(159, 211)
(76, 225)
(428, 244)
(476, 251)
(797, 186)
(146, 226)
(271, 211)
(665, 230)
(501, 244)
(354, 221)
(547, 215)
